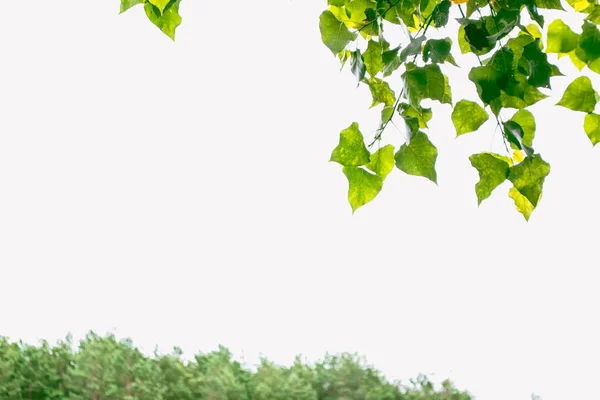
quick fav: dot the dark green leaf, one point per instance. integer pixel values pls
(539, 68)
(440, 14)
(357, 66)
(438, 50)
(493, 171)
(334, 33)
(426, 83)
(391, 61)
(413, 48)
(589, 41)
(468, 116)
(580, 96)
(362, 186)
(418, 157)
(486, 79)
(591, 125)
(351, 150)
(477, 35)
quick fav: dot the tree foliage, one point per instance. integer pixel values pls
(105, 368)
(512, 71)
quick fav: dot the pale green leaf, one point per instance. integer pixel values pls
(160, 4)
(373, 58)
(382, 161)
(381, 92)
(468, 116)
(362, 186)
(523, 205)
(528, 177)
(418, 157)
(493, 171)
(351, 150)
(591, 125)
(580, 95)
(527, 122)
(334, 33)
(561, 39)
(127, 4)
(167, 21)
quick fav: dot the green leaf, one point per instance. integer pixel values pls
(580, 96)
(549, 4)
(362, 186)
(382, 161)
(589, 41)
(440, 14)
(413, 48)
(474, 5)
(351, 150)
(594, 15)
(381, 92)
(476, 34)
(160, 4)
(526, 121)
(523, 205)
(591, 125)
(357, 66)
(582, 5)
(168, 20)
(334, 33)
(373, 58)
(514, 134)
(539, 68)
(127, 4)
(418, 157)
(468, 116)
(561, 39)
(426, 83)
(422, 115)
(493, 171)
(486, 79)
(438, 50)
(391, 61)
(528, 177)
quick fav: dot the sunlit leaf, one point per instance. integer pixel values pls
(363, 186)
(334, 33)
(580, 95)
(418, 157)
(468, 116)
(127, 4)
(351, 150)
(382, 161)
(168, 20)
(591, 125)
(493, 171)
(561, 39)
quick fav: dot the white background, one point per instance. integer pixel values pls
(180, 194)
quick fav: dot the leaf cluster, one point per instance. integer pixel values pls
(512, 71)
(105, 368)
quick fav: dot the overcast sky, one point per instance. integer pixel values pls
(180, 194)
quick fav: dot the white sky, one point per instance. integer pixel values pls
(180, 194)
